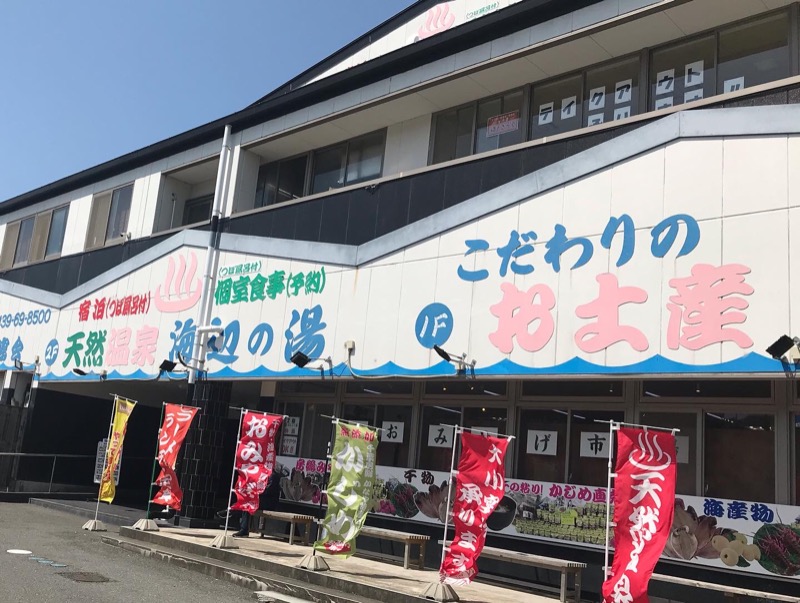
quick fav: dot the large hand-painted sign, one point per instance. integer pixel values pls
(734, 535)
(628, 270)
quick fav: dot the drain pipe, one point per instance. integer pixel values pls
(197, 361)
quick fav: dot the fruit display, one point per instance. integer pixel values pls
(734, 549)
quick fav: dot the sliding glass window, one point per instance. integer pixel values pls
(753, 54)
(557, 107)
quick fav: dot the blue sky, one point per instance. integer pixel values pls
(86, 81)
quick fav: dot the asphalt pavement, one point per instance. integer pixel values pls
(57, 538)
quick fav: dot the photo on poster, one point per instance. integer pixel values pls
(597, 98)
(733, 85)
(569, 107)
(623, 91)
(392, 432)
(692, 95)
(664, 103)
(665, 82)
(544, 443)
(546, 114)
(622, 113)
(693, 74)
(593, 120)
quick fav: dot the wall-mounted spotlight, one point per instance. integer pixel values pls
(463, 368)
(300, 360)
(81, 373)
(20, 366)
(782, 346)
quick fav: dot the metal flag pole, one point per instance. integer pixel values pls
(612, 427)
(439, 591)
(94, 525)
(147, 524)
(311, 562)
(221, 542)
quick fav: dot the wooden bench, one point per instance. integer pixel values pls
(733, 591)
(566, 568)
(406, 538)
(293, 519)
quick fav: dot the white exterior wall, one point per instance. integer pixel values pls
(407, 146)
(736, 191)
(77, 225)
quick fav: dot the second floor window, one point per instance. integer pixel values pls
(352, 162)
(346, 163)
(108, 221)
(35, 238)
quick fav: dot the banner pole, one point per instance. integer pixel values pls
(606, 569)
(93, 525)
(233, 470)
(105, 455)
(456, 431)
(155, 460)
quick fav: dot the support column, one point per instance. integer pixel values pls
(204, 471)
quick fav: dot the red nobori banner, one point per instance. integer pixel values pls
(177, 419)
(255, 458)
(644, 505)
(480, 485)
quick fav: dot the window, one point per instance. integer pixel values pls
(281, 181)
(739, 456)
(489, 124)
(22, 252)
(365, 158)
(108, 220)
(120, 211)
(542, 448)
(348, 163)
(797, 459)
(58, 226)
(394, 447)
(197, 210)
(685, 443)
(452, 136)
(557, 107)
(436, 439)
(499, 122)
(683, 73)
(754, 53)
(329, 169)
(316, 430)
(588, 448)
(34, 239)
(612, 92)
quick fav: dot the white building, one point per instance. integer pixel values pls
(593, 202)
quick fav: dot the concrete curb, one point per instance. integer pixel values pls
(280, 586)
(310, 582)
(104, 516)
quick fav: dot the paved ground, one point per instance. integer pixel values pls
(376, 573)
(58, 537)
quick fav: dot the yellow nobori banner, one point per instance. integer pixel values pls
(122, 410)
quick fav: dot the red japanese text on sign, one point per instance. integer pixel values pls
(480, 485)
(644, 504)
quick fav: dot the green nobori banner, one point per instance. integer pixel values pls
(349, 489)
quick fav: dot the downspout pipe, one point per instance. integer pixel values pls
(197, 362)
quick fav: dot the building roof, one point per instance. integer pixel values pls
(302, 91)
